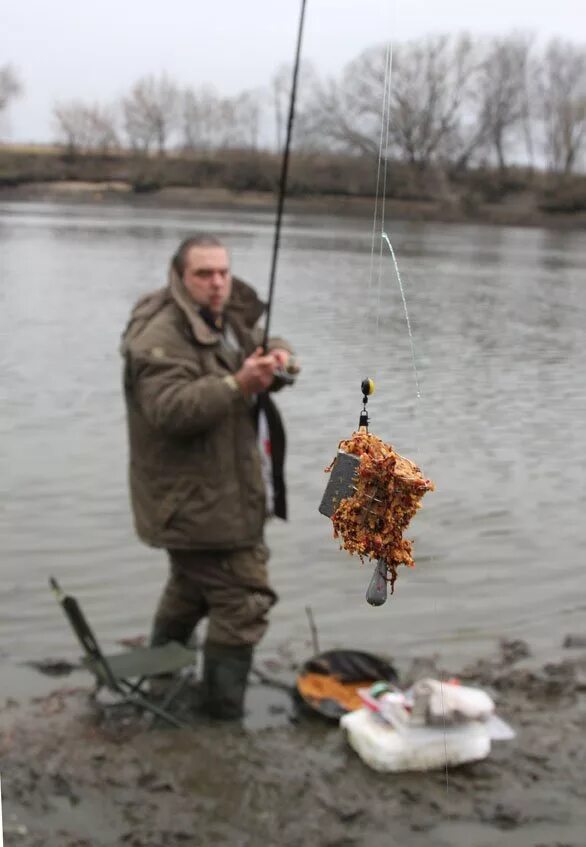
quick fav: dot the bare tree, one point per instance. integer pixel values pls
(211, 122)
(102, 128)
(502, 92)
(343, 115)
(151, 112)
(561, 89)
(208, 120)
(427, 83)
(197, 117)
(467, 140)
(192, 121)
(431, 83)
(71, 119)
(280, 89)
(247, 114)
(279, 95)
(10, 86)
(225, 130)
(85, 128)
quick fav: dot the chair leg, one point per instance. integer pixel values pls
(175, 690)
(136, 686)
(137, 699)
(159, 712)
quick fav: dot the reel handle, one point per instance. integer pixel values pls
(284, 377)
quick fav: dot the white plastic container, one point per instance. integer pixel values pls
(419, 748)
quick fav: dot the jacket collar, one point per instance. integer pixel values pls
(244, 305)
(243, 308)
(202, 333)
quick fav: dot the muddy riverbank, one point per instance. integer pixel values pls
(72, 779)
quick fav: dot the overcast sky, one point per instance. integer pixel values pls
(94, 51)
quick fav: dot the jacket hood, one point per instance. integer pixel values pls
(244, 303)
(244, 307)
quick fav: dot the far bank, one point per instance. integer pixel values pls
(333, 185)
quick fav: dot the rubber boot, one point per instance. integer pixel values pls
(225, 674)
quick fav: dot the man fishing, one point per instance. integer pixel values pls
(195, 382)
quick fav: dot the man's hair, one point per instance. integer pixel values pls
(180, 256)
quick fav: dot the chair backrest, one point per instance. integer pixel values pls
(87, 639)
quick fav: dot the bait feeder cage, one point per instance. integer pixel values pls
(342, 484)
(371, 495)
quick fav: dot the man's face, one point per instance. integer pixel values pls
(207, 277)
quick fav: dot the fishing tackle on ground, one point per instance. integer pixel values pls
(371, 496)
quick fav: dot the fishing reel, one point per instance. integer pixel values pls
(288, 374)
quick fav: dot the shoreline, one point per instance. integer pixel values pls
(186, 198)
(71, 779)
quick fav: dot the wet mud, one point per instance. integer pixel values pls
(73, 776)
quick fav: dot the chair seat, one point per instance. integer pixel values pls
(147, 661)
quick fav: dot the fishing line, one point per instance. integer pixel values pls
(386, 93)
(385, 172)
(379, 205)
(387, 240)
(384, 239)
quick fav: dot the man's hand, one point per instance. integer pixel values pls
(286, 362)
(281, 358)
(257, 372)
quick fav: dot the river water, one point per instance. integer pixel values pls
(498, 318)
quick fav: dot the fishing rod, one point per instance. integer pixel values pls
(283, 180)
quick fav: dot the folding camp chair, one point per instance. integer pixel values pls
(126, 674)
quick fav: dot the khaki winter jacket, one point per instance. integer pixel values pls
(195, 476)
